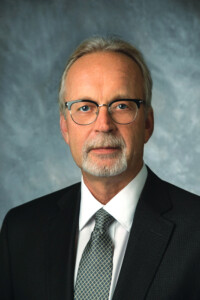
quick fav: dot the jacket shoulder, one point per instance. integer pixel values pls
(43, 207)
(184, 205)
(172, 189)
(178, 191)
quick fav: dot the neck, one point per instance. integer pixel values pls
(105, 188)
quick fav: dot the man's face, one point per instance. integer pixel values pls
(105, 148)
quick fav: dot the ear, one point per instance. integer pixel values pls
(64, 128)
(149, 125)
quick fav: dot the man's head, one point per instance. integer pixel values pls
(100, 44)
(104, 71)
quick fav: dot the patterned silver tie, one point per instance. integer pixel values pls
(95, 268)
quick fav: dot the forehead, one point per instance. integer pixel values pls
(103, 69)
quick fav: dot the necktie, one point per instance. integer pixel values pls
(95, 268)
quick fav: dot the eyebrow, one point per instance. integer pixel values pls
(116, 97)
(121, 96)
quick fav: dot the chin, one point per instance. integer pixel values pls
(105, 170)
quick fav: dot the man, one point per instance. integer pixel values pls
(122, 233)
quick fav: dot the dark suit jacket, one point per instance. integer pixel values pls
(162, 260)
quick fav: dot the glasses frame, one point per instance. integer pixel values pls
(138, 102)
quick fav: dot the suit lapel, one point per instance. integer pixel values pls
(61, 249)
(148, 241)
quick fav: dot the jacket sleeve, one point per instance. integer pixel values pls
(5, 264)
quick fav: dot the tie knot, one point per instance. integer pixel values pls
(102, 219)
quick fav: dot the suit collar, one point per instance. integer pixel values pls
(61, 245)
(148, 241)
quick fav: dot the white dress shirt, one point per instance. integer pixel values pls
(122, 207)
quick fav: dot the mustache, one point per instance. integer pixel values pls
(103, 140)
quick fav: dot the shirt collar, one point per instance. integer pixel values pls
(122, 206)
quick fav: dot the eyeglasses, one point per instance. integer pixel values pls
(122, 111)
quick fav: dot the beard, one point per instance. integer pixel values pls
(104, 169)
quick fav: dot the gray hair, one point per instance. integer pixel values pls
(100, 44)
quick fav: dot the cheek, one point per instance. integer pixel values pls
(74, 134)
(76, 143)
(134, 140)
(76, 151)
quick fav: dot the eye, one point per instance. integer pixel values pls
(122, 106)
(84, 108)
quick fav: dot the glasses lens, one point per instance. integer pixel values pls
(83, 112)
(123, 112)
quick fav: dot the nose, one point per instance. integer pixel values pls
(104, 123)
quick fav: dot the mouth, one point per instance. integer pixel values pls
(105, 150)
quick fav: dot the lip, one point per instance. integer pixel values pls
(104, 150)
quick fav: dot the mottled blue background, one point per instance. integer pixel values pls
(36, 38)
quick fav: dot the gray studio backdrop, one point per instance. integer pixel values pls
(36, 38)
